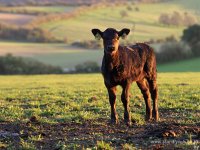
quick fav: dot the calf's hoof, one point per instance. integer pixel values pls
(148, 118)
(155, 116)
(128, 123)
(114, 121)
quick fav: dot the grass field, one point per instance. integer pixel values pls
(15, 19)
(39, 9)
(55, 54)
(72, 112)
(144, 22)
(191, 65)
(192, 4)
(68, 57)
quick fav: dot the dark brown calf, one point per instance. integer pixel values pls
(123, 65)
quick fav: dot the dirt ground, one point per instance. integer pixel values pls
(162, 135)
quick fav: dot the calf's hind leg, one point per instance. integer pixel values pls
(154, 95)
(144, 87)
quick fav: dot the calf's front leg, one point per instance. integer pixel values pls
(125, 101)
(112, 100)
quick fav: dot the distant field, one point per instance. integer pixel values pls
(68, 57)
(144, 25)
(15, 19)
(191, 65)
(23, 15)
(39, 9)
(54, 54)
(193, 5)
(143, 22)
(72, 111)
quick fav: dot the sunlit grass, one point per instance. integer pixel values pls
(61, 98)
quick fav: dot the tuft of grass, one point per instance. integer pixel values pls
(129, 147)
(189, 144)
(27, 145)
(3, 145)
(101, 145)
(61, 145)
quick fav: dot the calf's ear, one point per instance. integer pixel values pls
(123, 33)
(97, 33)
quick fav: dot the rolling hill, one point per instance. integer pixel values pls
(141, 18)
(51, 2)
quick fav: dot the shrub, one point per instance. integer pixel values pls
(189, 19)
(196, 49)
(87, 67)
(26, 34)
(129, 8)
(173, 51)
(171, 38)
(137, 9)
(164, 19)
(18, 65)
(123, 14)
(191, 36)
(177, 19)
(88, 44)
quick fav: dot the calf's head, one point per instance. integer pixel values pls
(110, 38)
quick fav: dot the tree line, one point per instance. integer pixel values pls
(10, 64)
(187, 47)
(8, 32)
(66, 2)
(177, 19)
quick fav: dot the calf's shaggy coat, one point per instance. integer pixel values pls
(123, 65)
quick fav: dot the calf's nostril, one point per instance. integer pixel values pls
(111, 48)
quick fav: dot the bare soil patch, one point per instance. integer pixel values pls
(87, 133)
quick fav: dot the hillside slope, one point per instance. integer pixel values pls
(142, 19)
(51, 2)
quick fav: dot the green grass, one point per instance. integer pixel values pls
(71, 58)
(57, 99)
(60, 98)
(191, 65)
(61, 103)
(65, 105)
